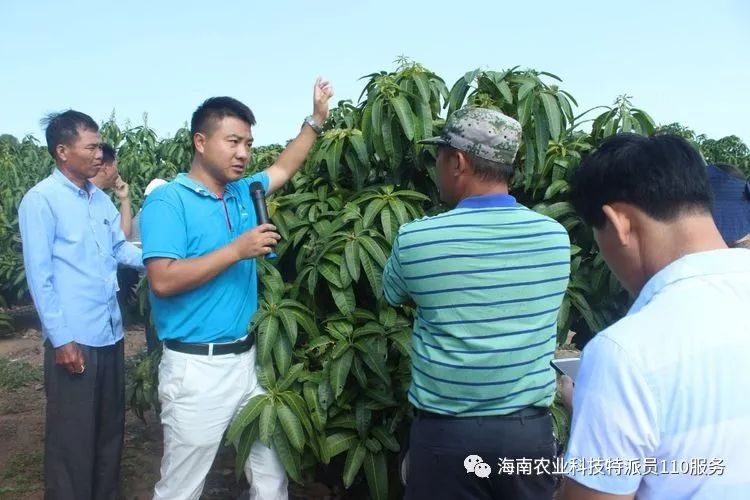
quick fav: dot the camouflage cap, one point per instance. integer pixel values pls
(482, 132)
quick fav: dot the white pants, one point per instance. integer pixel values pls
(199, 397)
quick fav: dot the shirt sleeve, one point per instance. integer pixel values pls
(37, 224)
(163, 228)
(394, 286)
(125, 253)
(614, 418)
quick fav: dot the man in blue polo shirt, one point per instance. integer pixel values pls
(200, 240)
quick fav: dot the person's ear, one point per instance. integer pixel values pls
(463, 164)
(199, 141)
(62, 152)
(620, 221)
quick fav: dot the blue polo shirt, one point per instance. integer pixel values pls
(182, 220)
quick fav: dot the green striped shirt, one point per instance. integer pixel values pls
(488, 279)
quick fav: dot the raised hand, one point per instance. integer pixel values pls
(322, 93)
(122, 190)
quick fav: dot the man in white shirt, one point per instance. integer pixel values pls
(660, 409)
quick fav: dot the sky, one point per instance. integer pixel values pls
(684, 61)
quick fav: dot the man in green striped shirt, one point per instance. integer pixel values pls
(488, 279)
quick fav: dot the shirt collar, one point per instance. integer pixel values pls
(60, 177)
(487, 201)
(198, 187)
(694, 265)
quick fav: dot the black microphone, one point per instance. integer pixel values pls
(258, 195)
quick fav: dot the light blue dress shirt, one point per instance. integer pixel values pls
(660, 406)
(72, 244)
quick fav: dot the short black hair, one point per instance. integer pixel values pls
(109, 155)
(484, 169)
(62, 128)
(216, 108)
(662, 175)
(488, 170)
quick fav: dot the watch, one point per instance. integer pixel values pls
(313, 124)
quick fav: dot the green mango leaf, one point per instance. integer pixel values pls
(457, 95)
(351, 256)
(405, 115)
(359, 146)
(389, 141)
(306, 323)
(291, 376)
(374, 275)
(282, 355)
(268, 335)
(423, 85)
(292, 426)
(470, 76)
(372, 210)
(354, 460)
(298, 406)
(377, 130)
(333, 158)
(376, 474)
(340, 442)
(267, 423)
(554, 116)
(386, 438)
(246, 416)
(557, 187)
(249, 437)
(289, 322)
(372, 248)
(288, 457)
(340, 371)
(372, 360)
(330, 273)
(358, 371)
(325, 394)
(344, 299)
(318, 415)
(524, 90)
(363, 416)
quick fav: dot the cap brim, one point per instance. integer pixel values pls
(436, 141)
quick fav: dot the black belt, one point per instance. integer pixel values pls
(528, 412)
(205, 349)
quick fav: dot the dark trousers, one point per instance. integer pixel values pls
(439, 446)
(85, 423)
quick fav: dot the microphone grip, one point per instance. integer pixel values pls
(261, 212)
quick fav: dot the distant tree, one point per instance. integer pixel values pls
(730, 149)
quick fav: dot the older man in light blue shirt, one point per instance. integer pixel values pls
(659, 408)
(72, 244)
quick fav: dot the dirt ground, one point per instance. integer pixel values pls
(22, 432)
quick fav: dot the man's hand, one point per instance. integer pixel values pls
(70, 357)
(565, 388)
(291, 159)
(321, 95)
(122, 190)
(256, 242)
